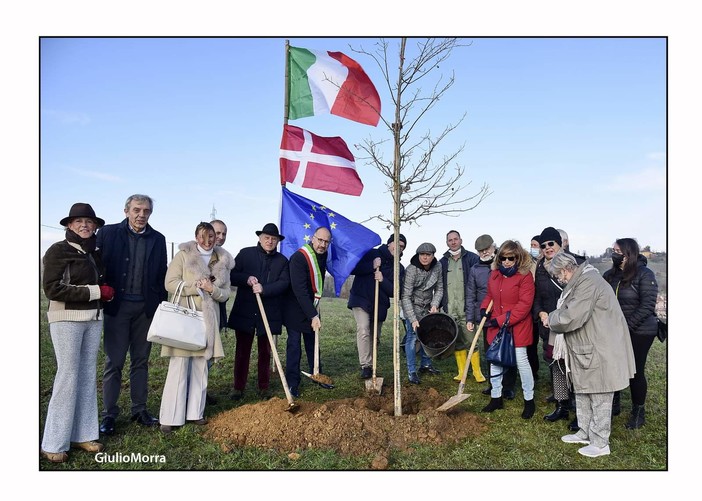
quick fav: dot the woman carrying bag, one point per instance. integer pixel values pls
(204, 269)
(511, 288)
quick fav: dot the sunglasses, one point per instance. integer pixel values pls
(508, 258)
(550, 243)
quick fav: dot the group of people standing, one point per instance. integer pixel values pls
(588, 322)
(113, 280)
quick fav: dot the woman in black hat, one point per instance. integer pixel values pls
(73, 283)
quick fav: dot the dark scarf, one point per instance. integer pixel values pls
(87, 244)
(508, 272)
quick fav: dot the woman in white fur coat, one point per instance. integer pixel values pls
(205, 270)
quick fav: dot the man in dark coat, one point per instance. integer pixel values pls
(375, 265)
(257, 270)
(308, 266)
(135, 261)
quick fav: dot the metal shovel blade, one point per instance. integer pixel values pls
(374, 385)
(453, 401)
(323, 385)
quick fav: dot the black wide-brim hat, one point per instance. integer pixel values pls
(82, 210)
(272, 230)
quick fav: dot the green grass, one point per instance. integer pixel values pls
(510, 443)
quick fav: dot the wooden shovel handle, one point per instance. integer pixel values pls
(375, 326)
(472, 348)
(274, 350)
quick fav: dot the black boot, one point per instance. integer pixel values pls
(529, 409)
(637, 418)
(617, 404)
(495, 403)
(561, 411)
(573, 425)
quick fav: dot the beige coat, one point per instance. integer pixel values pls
(189, 267)
(600, 355)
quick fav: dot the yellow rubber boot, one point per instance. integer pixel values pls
(461, 356)
(475, 364)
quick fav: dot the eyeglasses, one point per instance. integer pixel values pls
(550, 243)
(322, 241)
(508, 258)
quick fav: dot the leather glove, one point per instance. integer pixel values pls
(107, 293)
(484, 314)
(493, 323)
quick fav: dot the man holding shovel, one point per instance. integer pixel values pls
(257, 270)
(376, 265)
(308, 266)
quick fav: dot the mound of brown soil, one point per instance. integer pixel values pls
(357, 426)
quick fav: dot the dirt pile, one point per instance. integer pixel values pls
(354, 426)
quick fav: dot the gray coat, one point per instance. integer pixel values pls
(421, 289)
(599, 349)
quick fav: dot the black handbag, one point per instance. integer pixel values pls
(662, 330)
(501, 350)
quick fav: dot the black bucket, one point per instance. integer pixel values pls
(437, 332)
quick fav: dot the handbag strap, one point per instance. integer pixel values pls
(178, 292)
(509, 313)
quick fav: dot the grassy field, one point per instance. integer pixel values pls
(509, 444)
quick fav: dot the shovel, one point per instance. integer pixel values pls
(375, 385)
(460, 396)
(316, 376)
(292, 406)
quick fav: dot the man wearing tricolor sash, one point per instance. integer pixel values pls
(308, 267)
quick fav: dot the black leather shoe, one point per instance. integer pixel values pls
(561, 412)
(107, 425)
(573, 426)
(414, 378)
(429, 369)
(508, 394)
(145, 419)
(366, 372)
(295, 391)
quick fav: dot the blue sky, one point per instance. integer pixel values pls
(567, 132)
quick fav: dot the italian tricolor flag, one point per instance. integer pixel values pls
(330, 82)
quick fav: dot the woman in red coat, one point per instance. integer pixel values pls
(511, 289)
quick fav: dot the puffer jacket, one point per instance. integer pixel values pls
(422, 289)
(476, 288)
(638, 298)
(362, 294)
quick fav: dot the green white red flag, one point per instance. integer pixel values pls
(321, 163)
(330, 82)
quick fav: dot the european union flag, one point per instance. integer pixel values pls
(300, 217)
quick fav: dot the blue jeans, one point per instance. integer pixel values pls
(410, 350)
(525, 375)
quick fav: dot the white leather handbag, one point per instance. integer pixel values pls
(178, 326)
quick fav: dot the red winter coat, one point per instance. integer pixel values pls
(514, 294)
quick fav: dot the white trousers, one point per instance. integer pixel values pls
(184, 391)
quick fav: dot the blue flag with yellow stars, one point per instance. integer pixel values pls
(300, 217)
